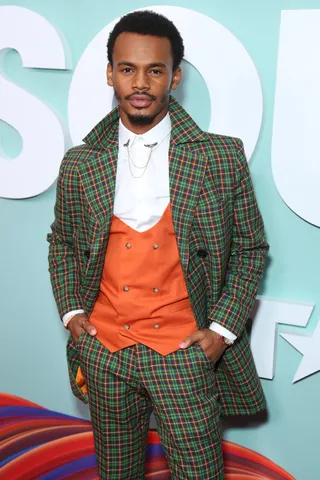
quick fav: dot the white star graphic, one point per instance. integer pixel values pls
(309, 346)
(267, 314)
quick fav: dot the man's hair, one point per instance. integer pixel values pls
(147, 22)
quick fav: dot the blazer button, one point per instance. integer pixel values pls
(202, 253)
(128, 245)
(156, 326)
(156, 290)
(127, 327)
(87, 253)
(155, 246)
(126, 288)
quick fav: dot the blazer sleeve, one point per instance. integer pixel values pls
(63, 266)
(247, 256)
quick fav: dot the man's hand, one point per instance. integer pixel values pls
(78, 324)
(210, 342)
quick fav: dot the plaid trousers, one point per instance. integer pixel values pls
(123, 389)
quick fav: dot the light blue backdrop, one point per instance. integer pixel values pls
(32, 340)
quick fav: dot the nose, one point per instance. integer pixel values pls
(141, 81)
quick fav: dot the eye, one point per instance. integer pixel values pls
(154, 71)
(127, 70)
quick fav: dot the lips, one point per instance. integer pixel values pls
(140, 101)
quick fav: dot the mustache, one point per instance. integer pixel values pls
(145, 94)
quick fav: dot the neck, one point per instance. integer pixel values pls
(141, 129)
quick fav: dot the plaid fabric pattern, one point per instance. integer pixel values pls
(213, 209)
(124, 386)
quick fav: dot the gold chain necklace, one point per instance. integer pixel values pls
(152, 147)
(143, 167)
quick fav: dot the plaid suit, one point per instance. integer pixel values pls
(213, 209)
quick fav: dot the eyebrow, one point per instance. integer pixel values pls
(151, 65)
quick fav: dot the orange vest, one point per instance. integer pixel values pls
(143, 296)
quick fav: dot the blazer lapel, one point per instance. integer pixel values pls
(186, 171)
(98, 171)
(98, 177)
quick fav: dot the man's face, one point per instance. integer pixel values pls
(142, 78)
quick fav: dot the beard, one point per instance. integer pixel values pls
(140, 119)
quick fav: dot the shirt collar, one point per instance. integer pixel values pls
(154, 135)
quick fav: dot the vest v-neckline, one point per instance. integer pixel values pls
(149, 229)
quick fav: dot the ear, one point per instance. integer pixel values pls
(109, 75)
(176, 79)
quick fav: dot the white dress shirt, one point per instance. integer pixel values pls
(142, 185)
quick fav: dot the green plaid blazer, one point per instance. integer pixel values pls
(219, 233)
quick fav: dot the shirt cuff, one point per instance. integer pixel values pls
(67, 317)
(216, 327)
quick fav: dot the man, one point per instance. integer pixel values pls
(155, 256)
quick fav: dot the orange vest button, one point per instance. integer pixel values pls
(127, 327)
(126, 288)
(155, 246)
(156, 326)
(156, 290)
(128, 245)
